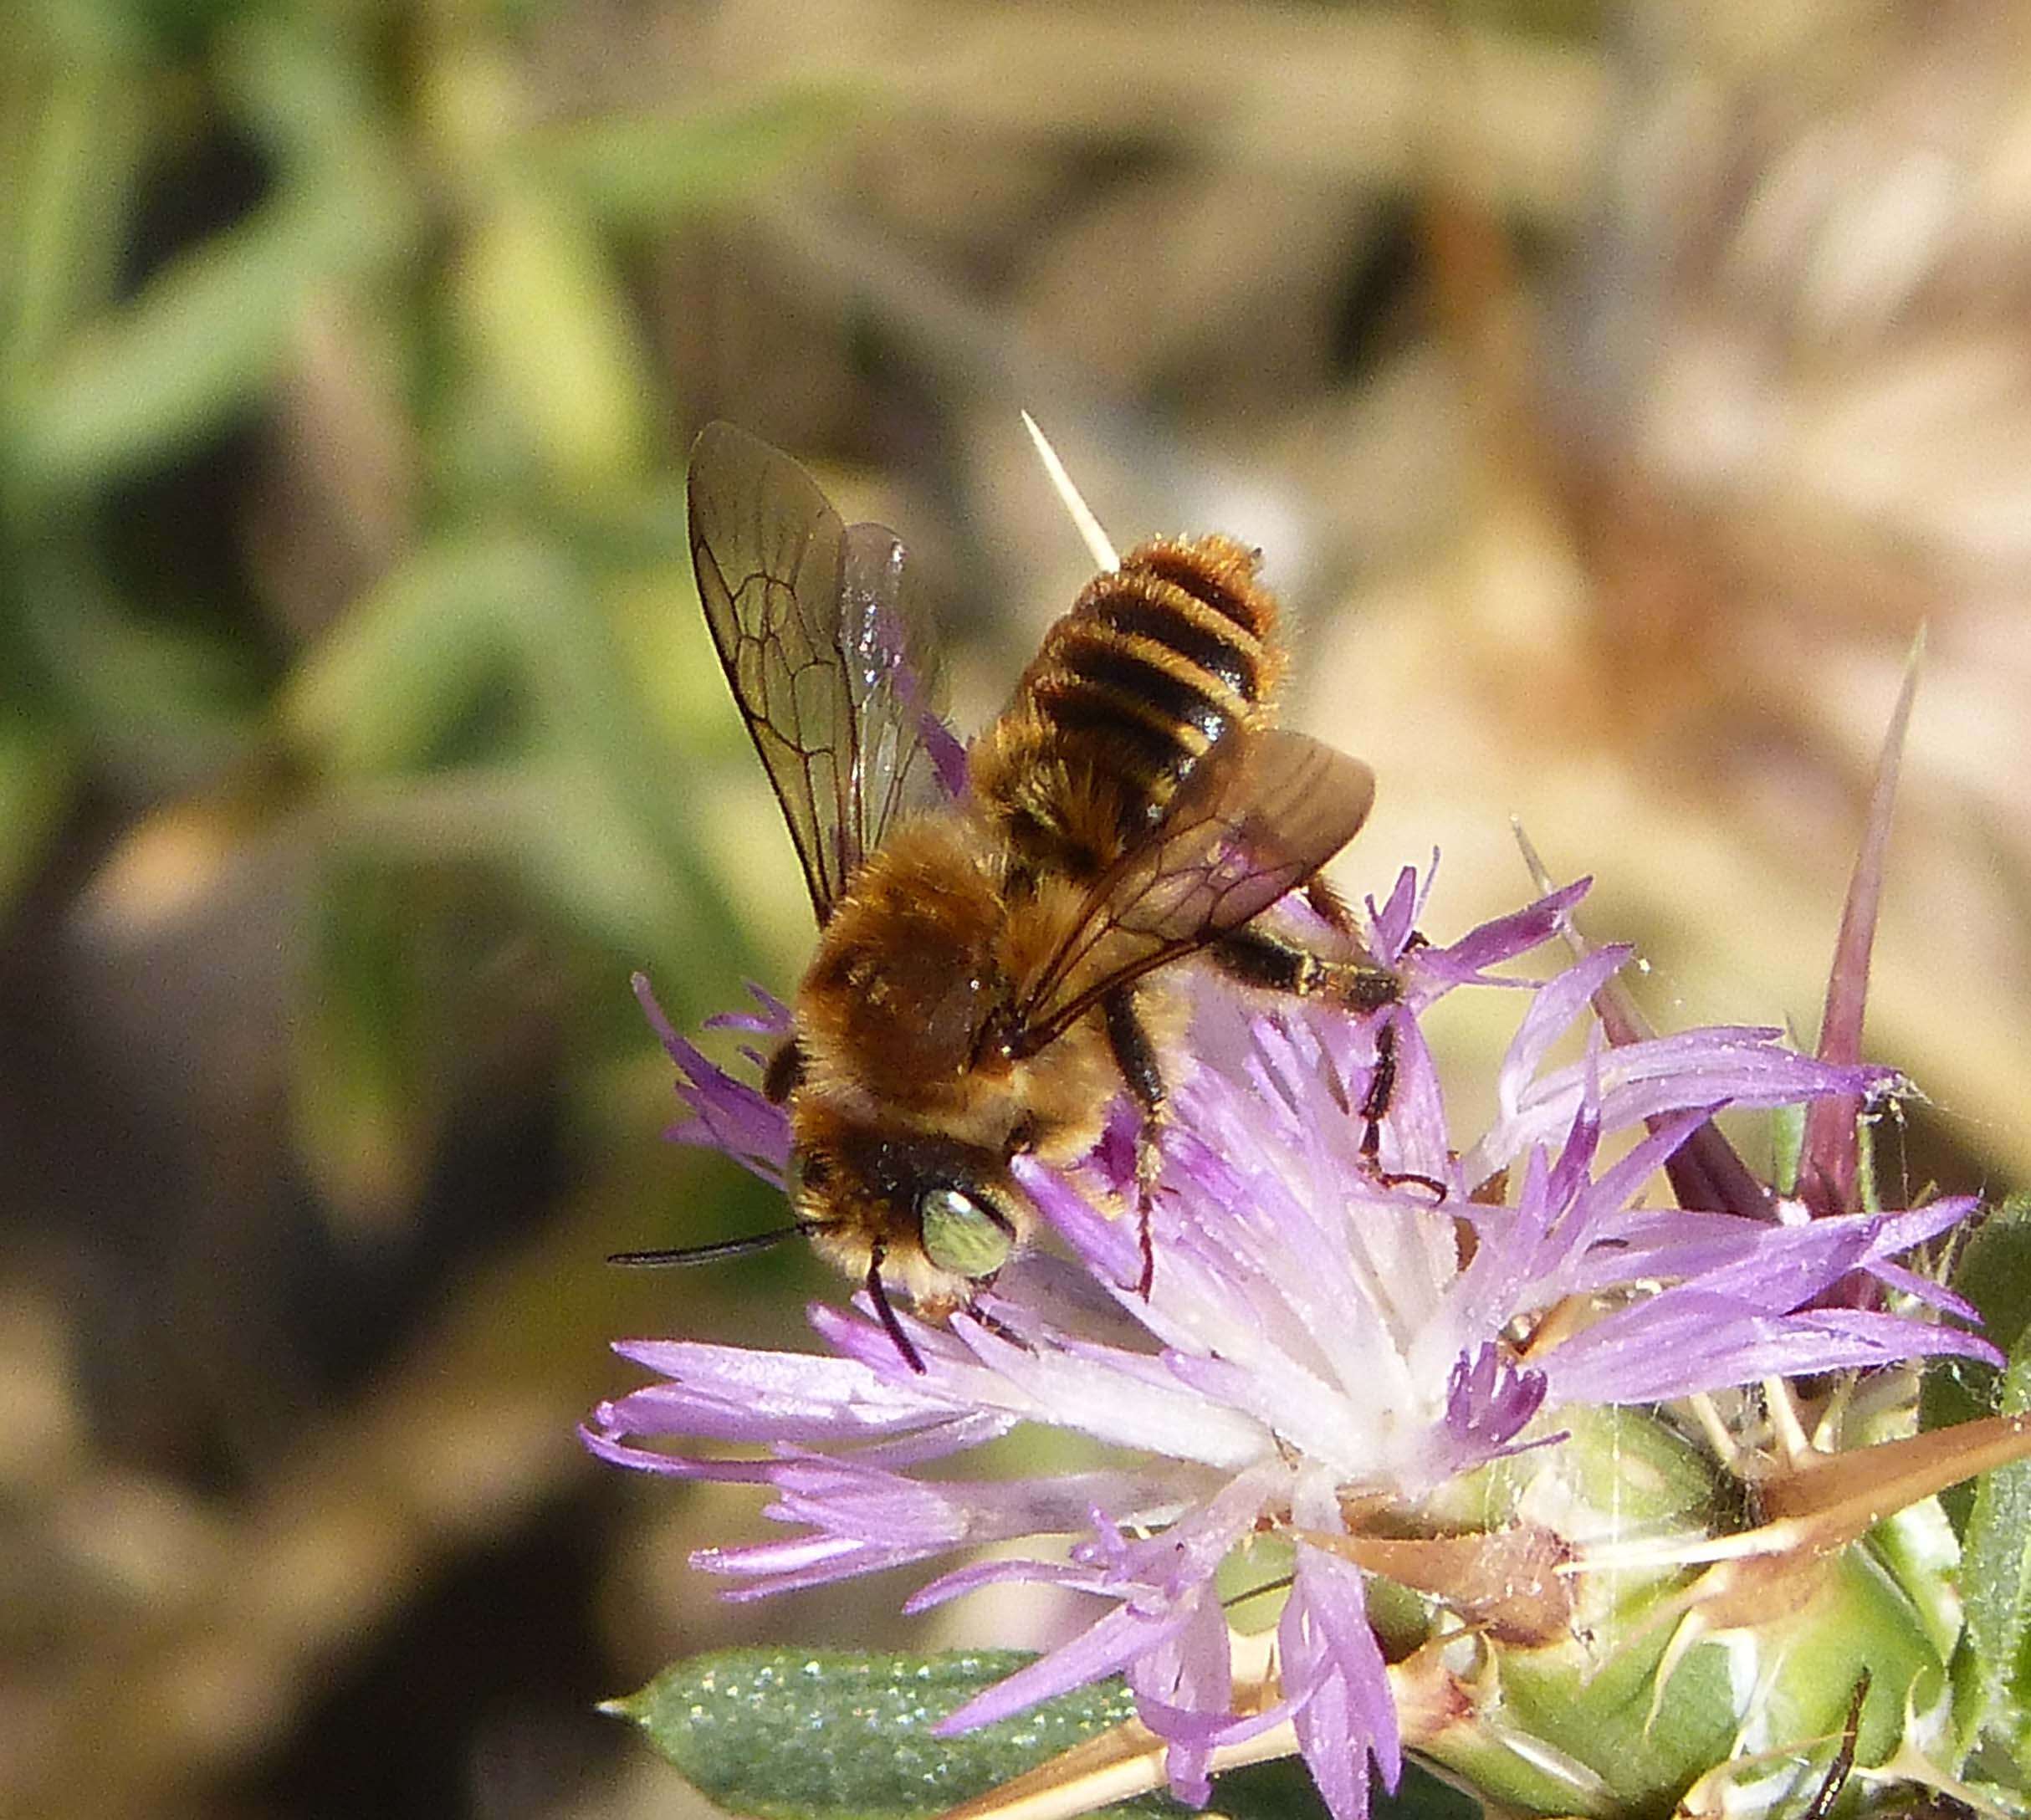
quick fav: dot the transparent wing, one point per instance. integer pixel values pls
(1257, 817)
(833, 674)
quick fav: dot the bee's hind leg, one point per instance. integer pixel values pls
(1271, 963)
(1136, 1056)
(1375, 1102)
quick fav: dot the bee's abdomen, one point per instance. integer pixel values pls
(1156, 662)
(1153, 664)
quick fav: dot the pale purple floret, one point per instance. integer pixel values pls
(726, 1112)
(1314, 1331)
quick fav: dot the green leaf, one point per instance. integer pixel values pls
(643, 171)
(807, 1735)
(367, 1080)
(1993, 1273)
(1993, 1678)
(206, 336)
(548, 323)
(66, 165)
(393, 682)
(1787, 1146)
(37, 769)
(796, 1734)
(164, 702)
(202, 340)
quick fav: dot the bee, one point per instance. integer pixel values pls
(995, 924)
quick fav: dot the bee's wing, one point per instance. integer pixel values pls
(1259, 814)
(813, 622)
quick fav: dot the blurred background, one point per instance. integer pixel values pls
(1614, 389)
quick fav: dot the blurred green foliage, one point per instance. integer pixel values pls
(455, 661)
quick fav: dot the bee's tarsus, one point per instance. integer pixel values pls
(1381, 1089)
(1136, 1056)
(1843, 1765)
(1375, 1105)
(996, 1326)
(1412, 1179)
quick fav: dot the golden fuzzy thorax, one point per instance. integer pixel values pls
(905, 1084)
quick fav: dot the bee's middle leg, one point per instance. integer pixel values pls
(1136, 1056)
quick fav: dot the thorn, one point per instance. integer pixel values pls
(1785, 1423)
(1690, 1631)
(1706, 1172)
(1540, 874)
(1088, 527)
(1829, 1163)
(1705, 1412)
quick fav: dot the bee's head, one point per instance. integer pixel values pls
(934, 1217)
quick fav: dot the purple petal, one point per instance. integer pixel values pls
(1923, 1289)
(738, 1394)
(1106, 1646)
(1559, 1002)
(1337, 1684)
(971, 1578)
(1394, 922)
(865, 1521)
(1110, 1247)
(1686, 1341)
(1646, 1081)
(605, 1441)
(1182, 1690)
(1466, 961)
(729, 1115)
(1490, 1400)
(947, 753)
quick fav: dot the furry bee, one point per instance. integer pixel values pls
(993, 924)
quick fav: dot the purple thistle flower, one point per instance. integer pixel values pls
(1322, 1331)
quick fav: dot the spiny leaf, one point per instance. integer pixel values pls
(807, 1736)
(793, 1735)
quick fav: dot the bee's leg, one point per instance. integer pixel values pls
(996, 1326)
(1135, 1056)
(1375, 1102)
(1328, 904)
(1272, 963)
(1843, 1765)
(878, 1293)
(1382, 1089)
(784, 1073)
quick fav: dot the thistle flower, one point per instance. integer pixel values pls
(1371, 1366)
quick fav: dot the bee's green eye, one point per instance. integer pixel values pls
(961, 1234)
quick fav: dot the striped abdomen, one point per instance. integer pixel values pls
(1154, 664)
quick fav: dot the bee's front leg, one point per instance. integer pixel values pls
(1136, 1056)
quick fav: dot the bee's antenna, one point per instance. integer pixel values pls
(1090, 533)
(879, 1296)
(713, 1253)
